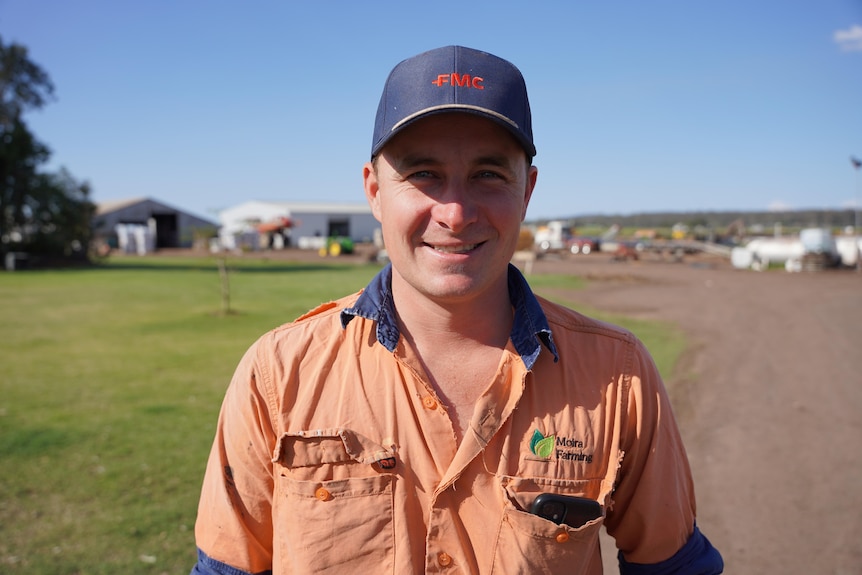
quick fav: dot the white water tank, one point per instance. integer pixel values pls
(818, 241)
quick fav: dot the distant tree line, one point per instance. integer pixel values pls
(45, 216)
(720, 221)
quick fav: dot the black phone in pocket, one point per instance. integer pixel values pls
(573, 511)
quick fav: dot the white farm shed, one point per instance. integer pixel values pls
(260, 224)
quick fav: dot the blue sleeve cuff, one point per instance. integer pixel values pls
(209, 566)
(697, 557)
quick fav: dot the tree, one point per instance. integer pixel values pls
(23, 84)
(46, 215)
(61, 216)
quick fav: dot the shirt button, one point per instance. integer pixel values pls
(322, 494)
(562, 537)
(429, 402)
(444, 559)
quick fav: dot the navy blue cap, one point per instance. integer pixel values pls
(454, 79)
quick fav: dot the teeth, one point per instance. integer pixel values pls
(455, 249)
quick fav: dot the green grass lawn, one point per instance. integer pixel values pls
(110, 384)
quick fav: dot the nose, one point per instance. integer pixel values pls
(455, 209)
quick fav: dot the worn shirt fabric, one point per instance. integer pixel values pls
(333, 453)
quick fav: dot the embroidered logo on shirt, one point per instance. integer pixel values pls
(541, 445)
(566, 448)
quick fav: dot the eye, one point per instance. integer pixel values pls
(489, 175)
(421, 175)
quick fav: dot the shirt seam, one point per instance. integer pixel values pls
(268, 386)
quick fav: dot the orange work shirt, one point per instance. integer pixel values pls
(333, 454)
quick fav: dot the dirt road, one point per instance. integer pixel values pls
(769, 400)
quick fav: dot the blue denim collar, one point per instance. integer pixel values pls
(530, 328)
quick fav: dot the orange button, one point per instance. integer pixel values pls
(429, 402)
(444, 559)
(322, 494)
(562, 537)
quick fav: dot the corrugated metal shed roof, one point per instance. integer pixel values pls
(113, 205)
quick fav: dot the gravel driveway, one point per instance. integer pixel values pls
(769, 400)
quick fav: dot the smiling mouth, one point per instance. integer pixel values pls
(460, 249)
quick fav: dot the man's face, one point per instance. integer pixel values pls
(450, 192)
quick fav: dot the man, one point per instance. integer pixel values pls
(410, 428)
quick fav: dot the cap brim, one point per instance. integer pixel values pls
(495, 117)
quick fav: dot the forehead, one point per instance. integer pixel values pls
(454, 132)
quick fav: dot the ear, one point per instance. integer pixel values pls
(372, 188)
(532, 175)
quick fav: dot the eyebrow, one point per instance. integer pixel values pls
(412, 160)
(500, 160)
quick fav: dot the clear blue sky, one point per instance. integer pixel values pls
(639, 105)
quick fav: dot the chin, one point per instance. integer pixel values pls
(457, 287)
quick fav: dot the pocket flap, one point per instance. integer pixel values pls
(323, 446)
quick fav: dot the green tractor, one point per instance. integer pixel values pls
(335, 246)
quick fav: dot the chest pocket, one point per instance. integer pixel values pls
(527, 543)
(333, 505)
